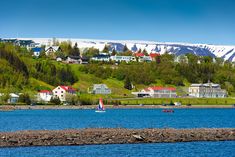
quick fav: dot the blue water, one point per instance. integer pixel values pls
(124, 118)
(192, 149)
(113, 118)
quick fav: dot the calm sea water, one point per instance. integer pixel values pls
(125, 118)
(191, 149)
(113, 118)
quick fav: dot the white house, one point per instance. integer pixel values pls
(44, 95)
(51, 49)
(157, 92)
(101, 57)
(100, 89)
(122, 58)
(61, 92)
(207, 90)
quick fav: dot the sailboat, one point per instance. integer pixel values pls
(100, 107)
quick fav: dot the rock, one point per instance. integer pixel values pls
(138, 137)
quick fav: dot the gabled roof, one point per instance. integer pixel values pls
(68, 88)
(55, 48)
(153, 55)
(139, 54)
(161, 88)
(45, 91)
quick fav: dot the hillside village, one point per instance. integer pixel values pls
(66, 54)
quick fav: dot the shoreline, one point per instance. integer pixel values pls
(41, 107)
(96, 136)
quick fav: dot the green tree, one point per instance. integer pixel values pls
(24, 98)
(125, 48)
(106, 48)
(128, 84)
(55, 100)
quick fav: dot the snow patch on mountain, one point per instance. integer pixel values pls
(224, 51)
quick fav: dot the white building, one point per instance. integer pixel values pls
(207, 90)
(101, 57)
(157, 92)
(61, 92)
(100, 89)
(44, 95)
(51, 49)
(122, 58)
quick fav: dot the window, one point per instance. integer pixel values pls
(62, 91)
(55, 91)
(62, 95)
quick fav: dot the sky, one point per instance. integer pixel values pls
(191, 21)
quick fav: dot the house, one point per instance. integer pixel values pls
(61, 92)
(207, 90)
(153, 56)
(100, 89)
(44, 95)
(157, 92)
(13, 98)
(73, 59)
(101, 57)
(36, 51)
(122, 58)
(181, 58)
(51, 49)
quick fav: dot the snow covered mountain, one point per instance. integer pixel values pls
(224, 51)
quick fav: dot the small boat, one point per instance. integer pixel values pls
(100, 107)
(168, 110)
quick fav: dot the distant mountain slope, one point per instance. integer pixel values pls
(223, 51)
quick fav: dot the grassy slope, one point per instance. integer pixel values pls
(184, 101)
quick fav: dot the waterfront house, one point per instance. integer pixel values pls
(44, 95)
(157, 92)
(13, 98)
(100, 89)
(207, 90)
(61, 92)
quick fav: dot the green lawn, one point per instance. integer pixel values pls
(184, 101)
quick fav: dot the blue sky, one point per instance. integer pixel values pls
(193, 21)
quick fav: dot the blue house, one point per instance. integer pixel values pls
(36, 51)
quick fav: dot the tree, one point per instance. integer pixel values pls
(114, 52)
(125, 48)
(24, 98)
(145, 52)
(72, 99)
(75, 51)
(127, 83)
(106, 49)
(55, 100)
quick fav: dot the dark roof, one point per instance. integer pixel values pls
(74, 57)
(101, 56)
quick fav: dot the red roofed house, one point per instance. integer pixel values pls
(157, 92)
(154, 55)
(44, 95)
(137, 54)
(61, 92)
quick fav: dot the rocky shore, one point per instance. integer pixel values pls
(111, 136)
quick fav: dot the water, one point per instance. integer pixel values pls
(113, 118)
(192, 149)
(125, 118)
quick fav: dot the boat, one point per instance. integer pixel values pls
(168, 110)
(100, 107)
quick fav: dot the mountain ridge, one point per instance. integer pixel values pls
(227, 52)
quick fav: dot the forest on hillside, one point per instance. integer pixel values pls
(18, 67)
